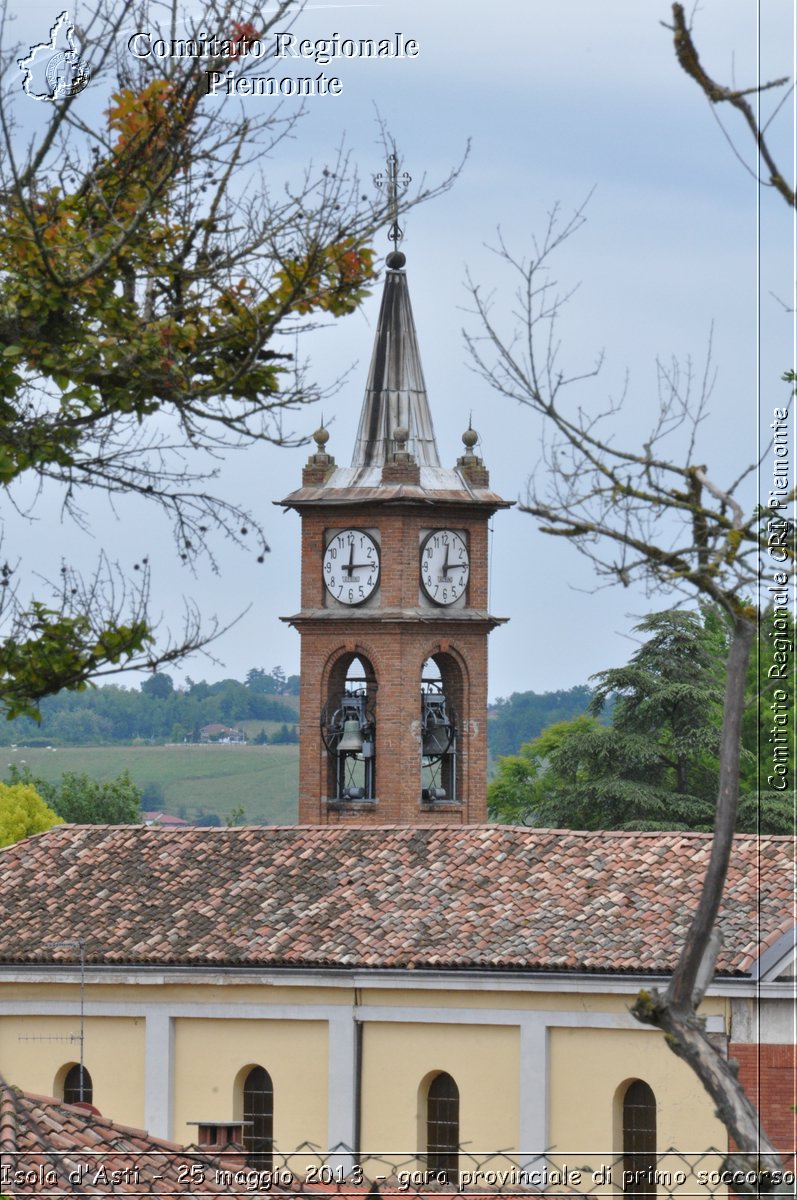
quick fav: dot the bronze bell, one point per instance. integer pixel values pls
(351, 741)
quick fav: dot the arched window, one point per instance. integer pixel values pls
(442, 699)
(258, 1113)
(348, 730)
(78, 1087)
(442, 1126)
(639, 1140)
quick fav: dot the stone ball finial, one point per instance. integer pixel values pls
(470, 437)
(321, 437)
(395, 260)
(401, 435)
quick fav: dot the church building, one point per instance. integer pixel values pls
(393, 984)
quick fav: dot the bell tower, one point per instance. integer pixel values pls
(394, 619)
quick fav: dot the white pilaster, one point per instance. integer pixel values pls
(342, 1068)
(533, 1106)
(158, 1072)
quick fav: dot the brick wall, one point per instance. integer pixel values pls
(768, 1074)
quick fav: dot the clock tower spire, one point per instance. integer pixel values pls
(394, 619)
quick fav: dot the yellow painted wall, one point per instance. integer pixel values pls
(113, 1056)
(587, 1066)
(589, 1070)
(210, 1060)
(399, 1058)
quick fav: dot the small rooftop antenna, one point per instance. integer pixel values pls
(80, 943)
(391, 181)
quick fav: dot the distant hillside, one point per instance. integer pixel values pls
(525, 714)
(157, 711)
(187, 781)
(154, 730)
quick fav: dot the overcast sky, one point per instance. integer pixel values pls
(559, 101)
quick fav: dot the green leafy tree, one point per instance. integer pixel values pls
(522, 790)
(284, 736)
(150, 270)
(261, 682)
(159, 686)
(80, 800)
(523, 716)
(656, 766)
(23, 812)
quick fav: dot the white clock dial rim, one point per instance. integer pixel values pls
(346, 591)
(463, 567)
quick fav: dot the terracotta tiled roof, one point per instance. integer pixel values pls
(51, 1140)
(398, 897)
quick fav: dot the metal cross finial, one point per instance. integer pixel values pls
(391, 180)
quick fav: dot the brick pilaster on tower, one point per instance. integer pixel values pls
(320, 465)
(400, 466)
(469, 465)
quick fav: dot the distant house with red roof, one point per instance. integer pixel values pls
(164, 820)
(221, 733)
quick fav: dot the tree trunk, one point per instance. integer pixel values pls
(674, 1011)
(682, 984)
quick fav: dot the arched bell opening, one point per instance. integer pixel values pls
(441, 699)
(348, 729)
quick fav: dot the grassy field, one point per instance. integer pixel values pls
(193, 779)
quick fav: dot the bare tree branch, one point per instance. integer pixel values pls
(687, 56)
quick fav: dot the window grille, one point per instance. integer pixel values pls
(78, 1089)
(442, 1126)
(259, 1118)
(639, 1140)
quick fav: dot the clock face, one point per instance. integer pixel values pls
(445, 566)
(351, 566)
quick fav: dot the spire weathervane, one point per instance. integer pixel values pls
(391, 181)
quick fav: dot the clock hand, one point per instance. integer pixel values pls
(349, 566)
